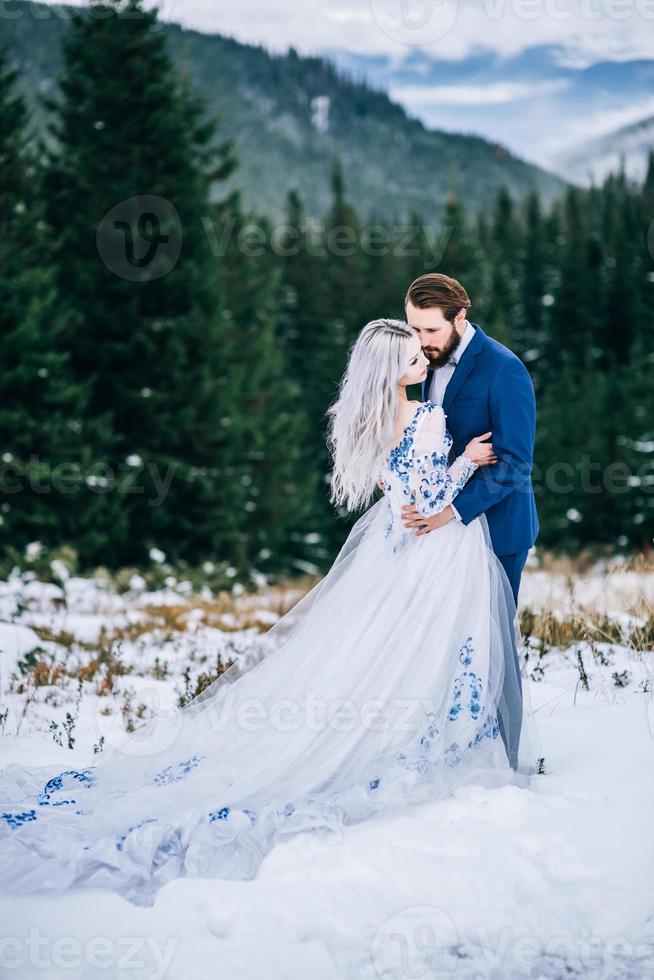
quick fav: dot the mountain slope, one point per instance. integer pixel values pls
(289, 116)
(539, 102)
(598, 157)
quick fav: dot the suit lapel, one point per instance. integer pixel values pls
(426, 385)
(464, 367)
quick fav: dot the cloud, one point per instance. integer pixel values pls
(588, 30)
(425, 96)
(597, 124)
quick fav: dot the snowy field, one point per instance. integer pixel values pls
(554, 881)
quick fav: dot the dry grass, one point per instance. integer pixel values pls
(636, 633)
(585, 563)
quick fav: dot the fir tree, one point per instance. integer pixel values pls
(127, 185)
(458, 259)
(502, 299)
(40, 407)
(343, 316)
(528, 330)
(269, 451)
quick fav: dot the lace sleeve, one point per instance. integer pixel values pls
(433, 483)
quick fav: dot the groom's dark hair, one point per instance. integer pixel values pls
(437, 289)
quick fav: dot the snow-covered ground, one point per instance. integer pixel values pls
(553, 881)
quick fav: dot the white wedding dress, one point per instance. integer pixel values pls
(385, 686)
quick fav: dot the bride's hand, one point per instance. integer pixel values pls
(480, 452)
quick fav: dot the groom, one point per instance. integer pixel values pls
(482, 386)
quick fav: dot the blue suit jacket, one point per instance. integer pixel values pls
(491, 389)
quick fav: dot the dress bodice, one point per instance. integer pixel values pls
(416, 471)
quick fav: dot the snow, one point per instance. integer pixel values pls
(15, 642)
(508, 883)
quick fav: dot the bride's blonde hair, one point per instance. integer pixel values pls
(361, 422)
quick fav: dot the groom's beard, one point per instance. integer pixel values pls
(438, 356)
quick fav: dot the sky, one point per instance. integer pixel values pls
(534, 116)
(590, 30)
(534, 112)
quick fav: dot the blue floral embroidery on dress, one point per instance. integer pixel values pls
(421, 761)
(400, 463)
(168, 775)
(85, 778)
(171, 843)
(452, 755)
(399, 460)
(437, 485)
(466, 652)
(63, 780)
(120, 843)
(221, 814)
(402, 542)
(16, 820)
(475, 685)
(389, 525)
(490, 728)
(224, 812)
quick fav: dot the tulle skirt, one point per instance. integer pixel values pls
(395, 680)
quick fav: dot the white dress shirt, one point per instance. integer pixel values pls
(442, 375)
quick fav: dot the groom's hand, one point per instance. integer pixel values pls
(412, 518)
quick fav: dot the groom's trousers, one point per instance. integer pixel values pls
(513, 566)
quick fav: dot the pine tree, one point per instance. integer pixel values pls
(458, 259)
(502, 300)
(421, 251)
(344, 268)
(270, 451)
(632, 422)
(385, 246)
(574, 316)
(528, 330)
(127, 185)
(344, 315)
(626, 307)
(39, 406)
(315, 352)
(304, 298)
(648, 189)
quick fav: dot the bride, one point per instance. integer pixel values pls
(387, 685)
